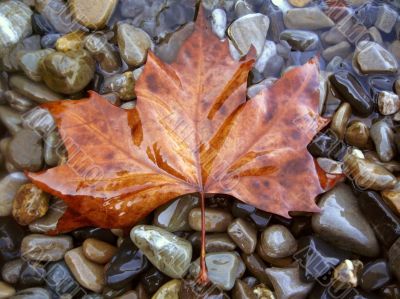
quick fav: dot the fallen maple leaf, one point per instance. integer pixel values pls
(192, 132)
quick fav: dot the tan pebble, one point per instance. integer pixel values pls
(6, 290)
(170, 290)
(299, 3)
(98, 251)
(70, 42)
(29, 204)
(93, 14)
(90, 275)
(217, 220)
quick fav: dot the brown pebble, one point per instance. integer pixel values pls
(30, 204)
(241, 290)
(217, 220)
(243, 234)
(6, 290)
(98, 251)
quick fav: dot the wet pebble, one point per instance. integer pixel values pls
(11, 235)
(30, 203)
(6, 290)
(133, 44)
(217, 220)
(121, 84)
(49, 221)
(243, 234)
(11, 270)
(386, 18)
(90, 275)
(340, 119)
(25, 150)
(219, 22)
(373, 58)
(17, 101)
(126, 265)
(32, 293)
(152, 280)
(170, 290)
(169, 253)
(249, 30)
(98, 233)
(345, 275)
(32, 274)
(383, 138)
(45, 248)
(98, 251)
(222, 269)
(173, 216)
(11, 119)
(388, 102)
(342, 223)
(375, 275)
(300, 40)
(93, 14)
(59, 279)
(256, 266)
(308, 18)
(214, 242)
(70, 42)
(68, 72)
(9, 186)
(277, 242)
(29, 63)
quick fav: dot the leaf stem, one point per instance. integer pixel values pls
(203, 277)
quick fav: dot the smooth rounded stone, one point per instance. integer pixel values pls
(6, 290)
(194, 289)
(45, 248)
(288, 284)
(386, 18)
(16, 24)
(342, 223)
(98, 251)
(49, 40)
(25, 150)
(70, 42)
(125, 266)
(94, 232)
(342, 49)
(382, 219)
(394, 258)
(309, 18)
(317, 257)
(168, 49)
(217, 220)
(133, 44)
(373, 58)
(173, 216)
(242, 290)
(392, 198)
(375, 275)
(219, 22)
(152, 280)
(243, 234)
(52, 146)
(278, 242)
(300, 40)
(88, 274)
(59, 279)
(121, 84)
(17, 101)
(32, 275)
(330, 166)
(11, 270)
(242, 8)
(9, 185)
(375, 35)
(249, 30)
(214, 242)
(167, 252)
(93, 14)
(255, 89)
(170, 290)
(49, 221)
(357, 134)
(34, 91)
(350, 90)
(32, 293)
(394, 48)
(383, 138)
(340, 119)
(256, 266)
(40, 25)
(11, 119)
(222, 269)
(345, 275)
(264, 59)
(388, 102)
(68, 72)
(29, 204)
(29, 63)
(103, 52)
(11, 235)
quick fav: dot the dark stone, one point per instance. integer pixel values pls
(125, 266)
(49, 40)
(320, 292)
(94, 232)
(390, 292)
(367, 14)
(349, 89)
(40, 25)
(11, 235)
(32, 275)
(375, 275)
(317, 258)
(243, 210)
(60, 280)
(261, 219)
(153, 279)
(192, 290)
(384, 222)
(327, 145)
(109, 293)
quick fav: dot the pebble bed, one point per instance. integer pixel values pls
(55, 49)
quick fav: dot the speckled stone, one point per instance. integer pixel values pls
(9, 185)
(169, 253)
